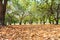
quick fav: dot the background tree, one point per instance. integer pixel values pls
(33, 11)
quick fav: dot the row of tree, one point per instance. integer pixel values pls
(32, 11)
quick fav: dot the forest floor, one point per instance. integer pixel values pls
(30, 32)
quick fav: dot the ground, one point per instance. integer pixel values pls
(30, 32)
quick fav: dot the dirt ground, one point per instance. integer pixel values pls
(30, 32)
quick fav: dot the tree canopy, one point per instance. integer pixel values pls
(33, 11)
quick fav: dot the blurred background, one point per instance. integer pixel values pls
(20, 12)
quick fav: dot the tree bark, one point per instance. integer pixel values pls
(1, 15)
(2, 11)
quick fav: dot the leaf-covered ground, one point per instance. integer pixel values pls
(30, 32)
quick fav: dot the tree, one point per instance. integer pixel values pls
(57, 15)
(3, 4)
(32, 11)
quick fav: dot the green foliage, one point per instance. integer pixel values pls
(32, 11)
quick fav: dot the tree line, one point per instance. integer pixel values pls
(30, 11)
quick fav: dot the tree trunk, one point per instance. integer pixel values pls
(49, 20)
(40, 21)
(1, 15)
(30, 21)
(43, 22)
(2, 11)
(57, 15)
(20, 23)
(25, 22)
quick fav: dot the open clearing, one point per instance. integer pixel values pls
(30, 32)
